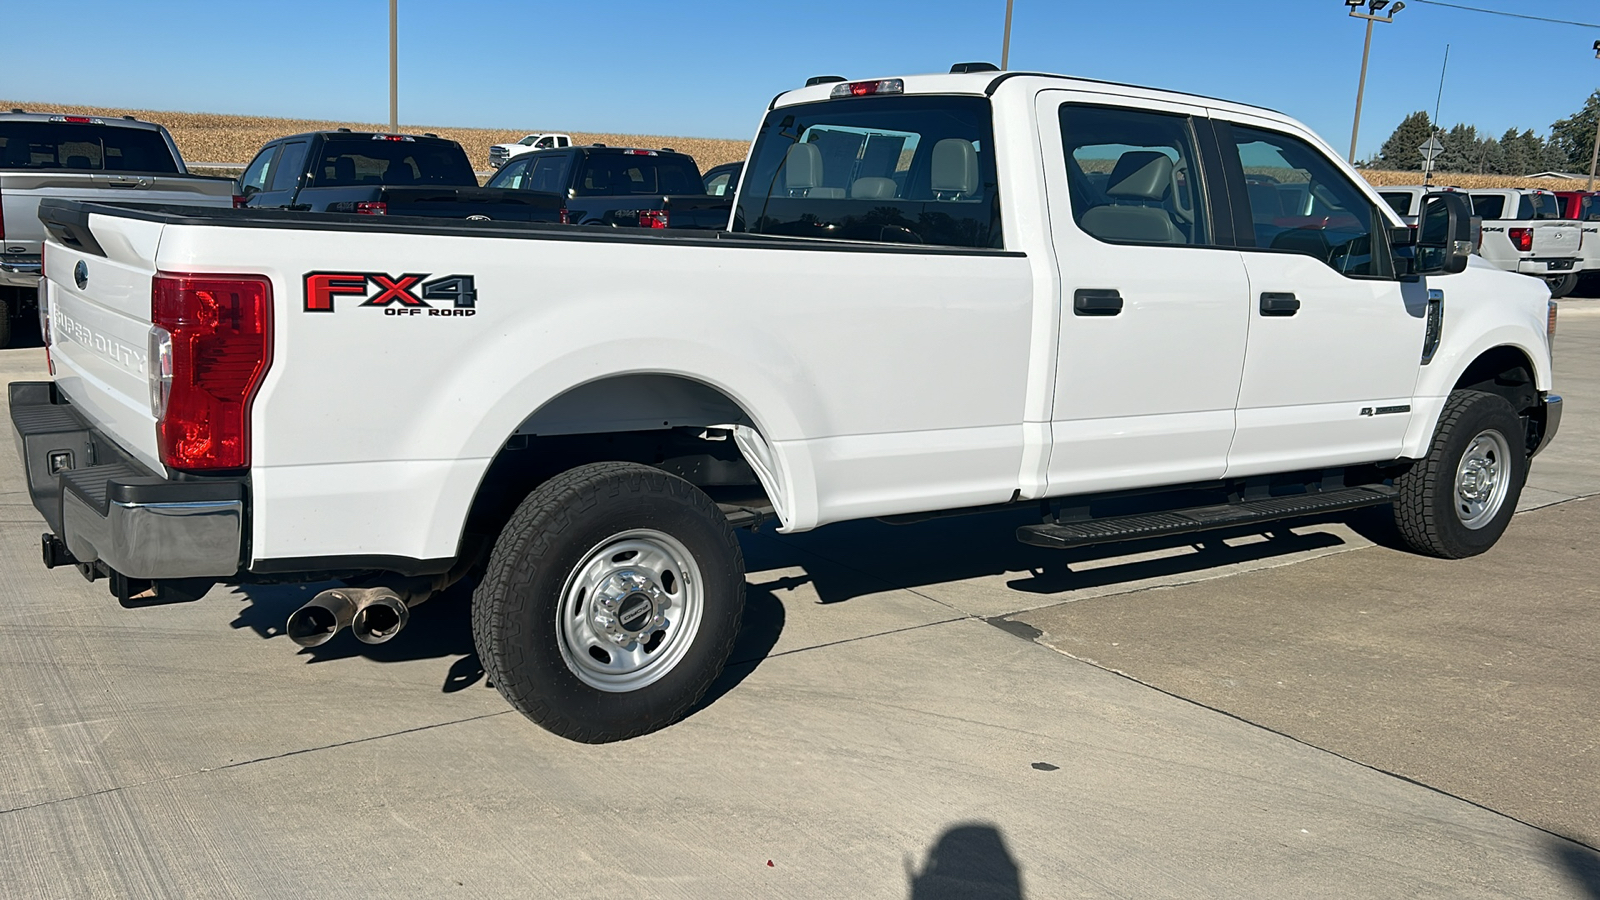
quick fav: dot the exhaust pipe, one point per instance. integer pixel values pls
(326, 615)
(379, 616)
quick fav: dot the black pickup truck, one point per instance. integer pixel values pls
(620, 186)
(383, 174)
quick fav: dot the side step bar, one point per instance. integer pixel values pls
(1202, 518)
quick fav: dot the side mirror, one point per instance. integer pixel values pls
(1444, 235)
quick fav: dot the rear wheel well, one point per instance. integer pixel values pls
(664, 421)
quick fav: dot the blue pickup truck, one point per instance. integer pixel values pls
(626, 187)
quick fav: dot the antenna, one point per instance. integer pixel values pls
(1427, 177)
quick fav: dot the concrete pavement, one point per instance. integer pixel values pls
(878, 736)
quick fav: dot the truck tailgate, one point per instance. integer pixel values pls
(22, 191)
(99, 309)
(1556, 239)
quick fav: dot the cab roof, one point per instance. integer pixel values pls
(989, 84)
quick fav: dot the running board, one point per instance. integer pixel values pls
(1202, 518)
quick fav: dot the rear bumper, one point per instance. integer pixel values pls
(107, 508)
(1565, 265)
(20, 269)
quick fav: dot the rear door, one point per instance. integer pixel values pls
(283, 181)
(1153, 305)
(1335, 339)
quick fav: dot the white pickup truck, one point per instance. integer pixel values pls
(1140, 313)
(1527, 231)
(500, 154)
(44, 155)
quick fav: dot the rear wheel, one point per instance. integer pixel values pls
(610, 603)
(1562, 285)
(1458, 500)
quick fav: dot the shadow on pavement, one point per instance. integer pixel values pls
(439, 628)
(871, 556)
(759, 630)
(1581, 863)
(969, 862)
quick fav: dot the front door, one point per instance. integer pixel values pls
(1335, 338)
(1153, 309)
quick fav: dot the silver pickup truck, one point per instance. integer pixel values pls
(80, 158)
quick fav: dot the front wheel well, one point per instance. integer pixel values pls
(1505, 371)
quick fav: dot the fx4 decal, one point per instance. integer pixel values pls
(398, 295)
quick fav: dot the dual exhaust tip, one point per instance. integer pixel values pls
(373, 615)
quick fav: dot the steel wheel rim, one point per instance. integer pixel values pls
(630, 610)
(1483, 478)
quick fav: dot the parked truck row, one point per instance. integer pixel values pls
(1124, 311)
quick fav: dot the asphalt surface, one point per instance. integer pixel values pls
(890, 727)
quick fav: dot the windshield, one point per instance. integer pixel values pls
(1399, 201)
(64, 145)
(895, 169)
(347, 162)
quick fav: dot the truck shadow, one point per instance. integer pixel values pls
(852, 559)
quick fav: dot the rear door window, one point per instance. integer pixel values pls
(291, 163)
(896, 169)
(84, 147)
(1133, 176)
(549, 173)
(638, 172)
(348, 162)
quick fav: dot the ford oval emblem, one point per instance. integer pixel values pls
(477, 218)
(80, 274)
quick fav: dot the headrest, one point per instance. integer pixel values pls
(77, 162)
(1140, 174)
(873, 188)
(802, 167)
(344, 169)
(955, 167)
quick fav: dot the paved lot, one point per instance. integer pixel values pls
(879, 735)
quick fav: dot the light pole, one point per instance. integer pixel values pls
(1005, 48)
(394, 66)
(1594, 158)
(1375, 15)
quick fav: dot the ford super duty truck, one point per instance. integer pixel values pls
(46, 155)
(1137, 312)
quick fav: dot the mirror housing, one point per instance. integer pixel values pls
(1443, 240)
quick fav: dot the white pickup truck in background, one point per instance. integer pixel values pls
(1135, 312)
(1527, 231)
(45, 155)
(499, 154)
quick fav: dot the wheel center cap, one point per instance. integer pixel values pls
(633, 614)
(627, 605)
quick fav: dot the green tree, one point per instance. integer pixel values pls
(1400, 150)
(1514, 153)
(1461, 149)
(1572, 138)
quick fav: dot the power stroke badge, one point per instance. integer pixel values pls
(396, 295)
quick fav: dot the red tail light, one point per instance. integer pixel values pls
(652, 218)
(566, 217)
(372, 208)
(1521, 238)
(209, 349)
(238, 201)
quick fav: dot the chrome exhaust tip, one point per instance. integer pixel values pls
(379, 617)
(317, 622)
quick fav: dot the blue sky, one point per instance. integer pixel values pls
(708, 69)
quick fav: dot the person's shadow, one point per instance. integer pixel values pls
(968, 862)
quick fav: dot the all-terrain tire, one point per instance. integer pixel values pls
(1562, 285)
(1428, 508)
(555, 536)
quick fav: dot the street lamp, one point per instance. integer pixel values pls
(394, 67)
(1375, 14)
(1594, 158)
(1005, 46)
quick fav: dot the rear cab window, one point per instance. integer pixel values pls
(81, 147)
(352, 161)
(897, 169)
(1540, 206)
(623, 172)
(1399, 201)
(1488, 206)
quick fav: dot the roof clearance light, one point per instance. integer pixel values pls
(868, 88)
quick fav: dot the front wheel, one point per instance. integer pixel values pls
(1457, 501)
(610, 603)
